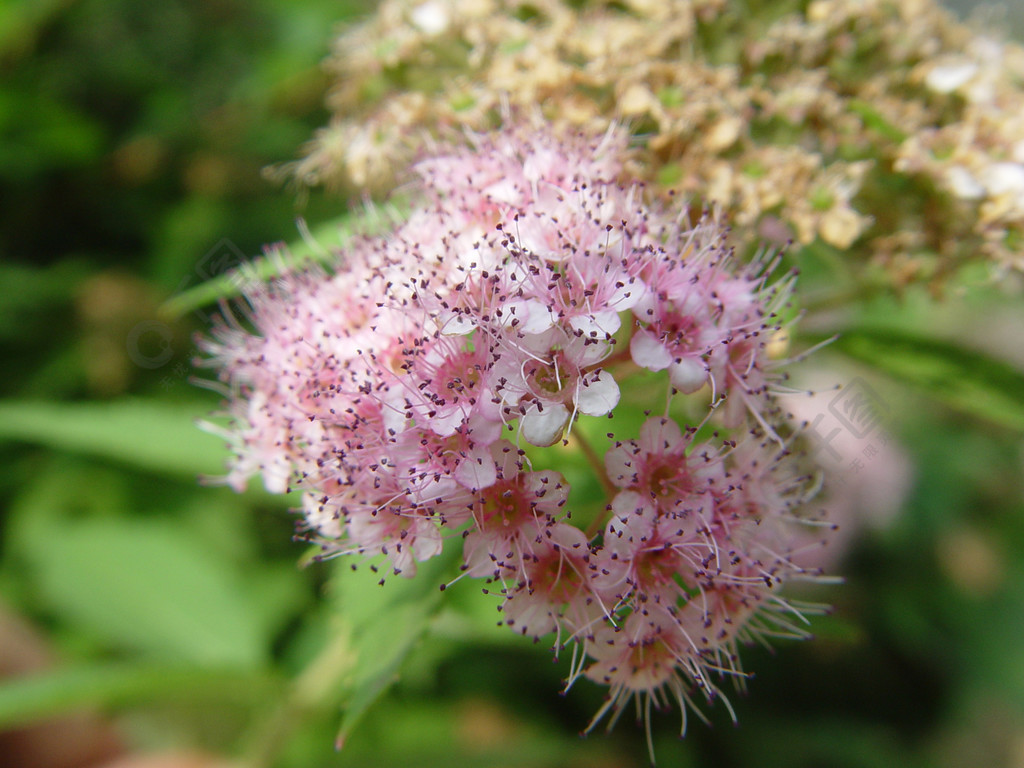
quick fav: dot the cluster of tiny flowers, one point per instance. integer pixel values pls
(799, 119)
(411, 394)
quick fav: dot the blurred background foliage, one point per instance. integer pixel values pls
(132, 142)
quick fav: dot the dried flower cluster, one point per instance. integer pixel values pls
(882, 127)
(421, 394)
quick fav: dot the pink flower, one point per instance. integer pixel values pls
(678, 328)
(464, 456)
(528, 291)
(446, 383)
(648, 660)
(647, 557)
(641, 656)
(659, 467)
(509, 515)
(546, 379)
(552, 589)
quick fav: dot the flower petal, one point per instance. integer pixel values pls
(543, 426)
(598, 394)
(688, 375)
(648, 352)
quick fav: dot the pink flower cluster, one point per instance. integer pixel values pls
(399, 394)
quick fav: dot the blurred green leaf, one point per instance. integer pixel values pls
(387, 623)
(277, 594)
(145, 586)
(31, 293)
(362, 647)
(150, 435)
(319, 247)
(59, 488)
(40, 133)
(967, 380)
(20, 23)
(778, 743)
(383, 647)
(56, 692)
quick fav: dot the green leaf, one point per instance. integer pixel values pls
(298, 255)
(22, 22)
(967, 380)
(144, 586)
(373, 630)
(146, 434)
(383, 647)
(386, 624)
(56, 692)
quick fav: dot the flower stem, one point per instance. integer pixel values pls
(597, 464)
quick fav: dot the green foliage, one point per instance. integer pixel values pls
(147, 434)
(385, 623)
(967, 380)
(203, 615)
(305, 253)
(132, 138)
(122, 685)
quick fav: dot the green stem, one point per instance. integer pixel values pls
(300, 254)
(597, 464)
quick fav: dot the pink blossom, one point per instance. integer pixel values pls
(509, 514)
(553, 587)
(529, 291)
(546, 379)
(645, 553)
(664, 465)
